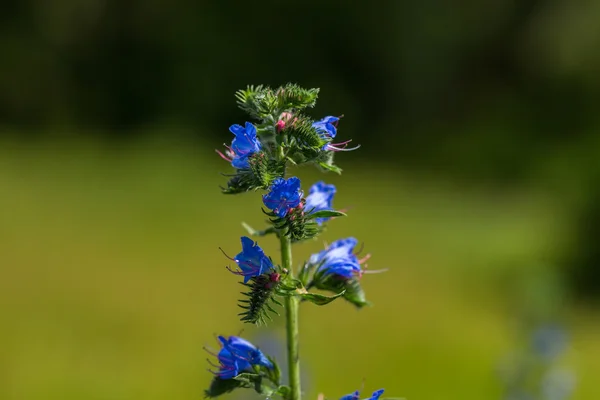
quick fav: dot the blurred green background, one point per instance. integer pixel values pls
(477, 185)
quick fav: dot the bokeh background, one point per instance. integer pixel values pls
(477, 185)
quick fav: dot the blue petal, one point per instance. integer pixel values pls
(239, 346)
(240, 162)
(376, 395)
(250, 129)
(283, 194)
(351, 396)
(260, 359)
(237, 129)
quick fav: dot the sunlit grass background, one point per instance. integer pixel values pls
(111, 280)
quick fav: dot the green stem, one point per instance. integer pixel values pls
(291, 319)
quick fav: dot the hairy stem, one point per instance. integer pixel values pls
(291, 319)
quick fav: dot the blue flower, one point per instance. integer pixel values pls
(244, 145)
(243, 350)
(252, 260)
(238, 355)
(327, 127)
(351, 396)
(320, 198)
(230, 365)
(338, 259)
(355, 396)
(283, 195)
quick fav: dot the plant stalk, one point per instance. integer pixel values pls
(291, 319)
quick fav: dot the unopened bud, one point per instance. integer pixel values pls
(280, 125)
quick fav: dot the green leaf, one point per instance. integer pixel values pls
(330, 167)
(284, 391)
(274, 375)
(320, 299)
(355, 293)
(220, 386)
(247, 377)
(294, 97)
(325, 214)
(253, 232)
(305, 273)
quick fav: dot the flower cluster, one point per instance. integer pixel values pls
(300, 217)
(261, 151)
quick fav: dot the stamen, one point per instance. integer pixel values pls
(237, 272)
(362, 246)
(365, 258)
(333, 147)
(376, 271)
(223, 156)
(210, 351)
(225, 254)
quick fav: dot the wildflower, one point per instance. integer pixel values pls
(244, 350)
(230, 366)
(339, 259)
(284, 195)
(238, 355)
(327, 127)
(252, 260)
(244, 145)
(320, 198)
(355, 396)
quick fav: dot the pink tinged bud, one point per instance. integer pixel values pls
(280, 125)
(275, 277)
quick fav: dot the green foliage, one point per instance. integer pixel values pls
(320, 299)
(351, 289)
(262, 172)
(296, 225)
(263, 380)
(263, 103)
(259, 102)
(260, 298)
(220, 386)
(293, 97)
(325, 162)
(253, 232)
(325, 214)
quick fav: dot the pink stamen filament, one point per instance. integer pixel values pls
(332, 147)
(365, 258)
(223, 156)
